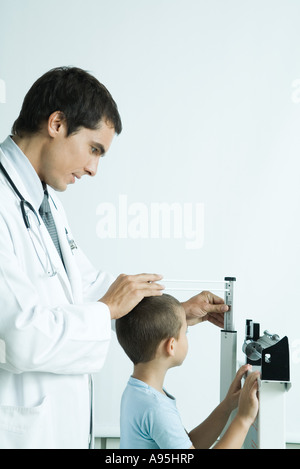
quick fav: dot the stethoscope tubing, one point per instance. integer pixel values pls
(25, 204)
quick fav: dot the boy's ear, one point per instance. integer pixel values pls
(170, 346)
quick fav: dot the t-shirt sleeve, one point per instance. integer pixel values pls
(166, 429)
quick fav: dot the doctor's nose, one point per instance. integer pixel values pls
(92, 167)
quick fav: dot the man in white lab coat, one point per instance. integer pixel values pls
(55, 308)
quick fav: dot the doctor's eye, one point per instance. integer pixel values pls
(95, 151)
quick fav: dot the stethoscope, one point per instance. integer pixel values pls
(27, 207)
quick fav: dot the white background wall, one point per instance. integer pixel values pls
(210, 103)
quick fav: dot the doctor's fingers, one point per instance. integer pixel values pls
(214, 299)
(215, 318)
(215, 309)
(145, 278)
(209, 303)
(130, 286)
(149, 288)
(145, 282)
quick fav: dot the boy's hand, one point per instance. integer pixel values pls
(248, 407)
(248, 403)
(128, 290)
(232, 398)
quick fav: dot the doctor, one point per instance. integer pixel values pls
(55, 308)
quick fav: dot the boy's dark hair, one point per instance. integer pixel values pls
(154, 319)
(82, 99)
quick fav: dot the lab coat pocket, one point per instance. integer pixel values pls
(26, 427)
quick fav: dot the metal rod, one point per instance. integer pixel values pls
(193, 289)
(194, 281)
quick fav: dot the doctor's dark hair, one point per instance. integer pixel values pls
(82, 99)
(141, 331)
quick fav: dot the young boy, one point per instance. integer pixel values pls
(153, 335)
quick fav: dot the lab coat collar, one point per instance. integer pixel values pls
(22, 166)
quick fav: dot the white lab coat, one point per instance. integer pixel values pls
(55, 332)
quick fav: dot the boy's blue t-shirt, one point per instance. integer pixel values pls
(150, 419)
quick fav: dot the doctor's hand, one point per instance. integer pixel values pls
(205, 307)
(128, 290)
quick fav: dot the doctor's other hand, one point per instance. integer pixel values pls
(128, 290)
(205, 307)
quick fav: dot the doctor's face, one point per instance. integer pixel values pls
(65, 159)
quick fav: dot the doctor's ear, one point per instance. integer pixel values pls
(57, 123)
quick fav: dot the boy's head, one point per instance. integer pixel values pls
(153, 320)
